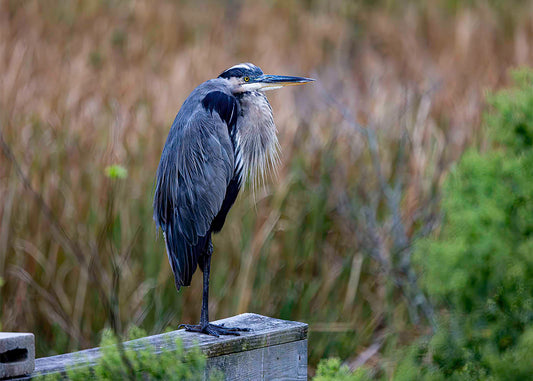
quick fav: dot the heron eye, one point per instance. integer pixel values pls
(246, 79)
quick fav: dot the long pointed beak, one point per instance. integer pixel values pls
(271, 82)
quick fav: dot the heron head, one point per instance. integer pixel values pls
(248, 77)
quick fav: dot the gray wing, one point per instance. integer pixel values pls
(195, 169)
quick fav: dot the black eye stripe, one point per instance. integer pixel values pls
(232, 73)
(240, 72)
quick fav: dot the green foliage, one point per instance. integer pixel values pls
(511, 124)
(116, 171)
(480, 267)
(332, 370)
(118, 362)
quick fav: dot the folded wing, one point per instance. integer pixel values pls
(196, 168)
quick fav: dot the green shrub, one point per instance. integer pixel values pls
(479, 269)
(332, 370)
(141, 364)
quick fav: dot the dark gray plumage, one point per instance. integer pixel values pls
(223, 134)
(196, 167)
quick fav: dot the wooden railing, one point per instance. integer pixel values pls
(273, 349)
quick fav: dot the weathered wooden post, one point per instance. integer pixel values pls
(17, 354)
(273, 349)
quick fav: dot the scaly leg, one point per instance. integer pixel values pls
(205, 326)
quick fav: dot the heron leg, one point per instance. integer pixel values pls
(205, 326)
(204, 317)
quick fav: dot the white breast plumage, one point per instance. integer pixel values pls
(257, 151)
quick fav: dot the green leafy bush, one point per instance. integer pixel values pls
(141, 364)
(332, 370)
(479, 269)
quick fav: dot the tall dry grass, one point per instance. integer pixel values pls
(87, 84)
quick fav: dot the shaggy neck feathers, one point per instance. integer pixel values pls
(257, 147)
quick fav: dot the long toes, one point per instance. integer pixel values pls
(193, 329)
(237, 329)
(190, 327)
(211, 331)
(214, 329)
(228, 331)
(233, 329)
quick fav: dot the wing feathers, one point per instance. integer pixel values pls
(195, 170)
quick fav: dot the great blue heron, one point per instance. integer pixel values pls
(223, 135)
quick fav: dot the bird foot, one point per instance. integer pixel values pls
(213, 329)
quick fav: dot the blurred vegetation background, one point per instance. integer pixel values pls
(478, 267)
(89, 89)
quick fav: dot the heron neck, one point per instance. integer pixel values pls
(257, 141)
